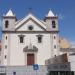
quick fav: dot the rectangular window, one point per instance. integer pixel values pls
(39, 37)
(6, 23)
(5, 56)
(14, 73)
(21, 39)
(53, 24)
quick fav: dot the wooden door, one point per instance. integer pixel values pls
(30, 59)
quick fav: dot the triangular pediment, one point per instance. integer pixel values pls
(30, 20)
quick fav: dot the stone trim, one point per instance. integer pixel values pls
(39, 35)
(54, 17)
(7, 31)
(21, 35)
(34, 49)
(9, 17)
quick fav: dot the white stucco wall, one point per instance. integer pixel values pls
(5, 50)
(14, 51)
(17, 56)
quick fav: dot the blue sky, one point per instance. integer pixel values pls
(65, 9)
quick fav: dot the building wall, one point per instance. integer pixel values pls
(14, 52)
(5, 49)
(15, 48)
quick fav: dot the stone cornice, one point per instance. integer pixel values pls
(30, 31)
(34, 49)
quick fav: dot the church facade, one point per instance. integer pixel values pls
(29, 40)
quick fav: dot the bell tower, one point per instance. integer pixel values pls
(9, 21)
(51, 21)
(8, 25)
(52, 26)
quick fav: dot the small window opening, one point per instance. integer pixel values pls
(30, 27)
(21, 39)
(14, 73)
(55, 46)
(6, 24)
(5, 56)
(39, 37)
(53, 24)
(6, 37)
(5, 46)
(54, 37)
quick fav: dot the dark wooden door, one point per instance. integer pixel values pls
(30, 59)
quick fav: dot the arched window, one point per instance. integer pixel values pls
(53, 24)
(6, 23)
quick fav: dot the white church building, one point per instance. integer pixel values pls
(29, 40)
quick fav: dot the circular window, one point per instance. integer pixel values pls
(30, 27)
